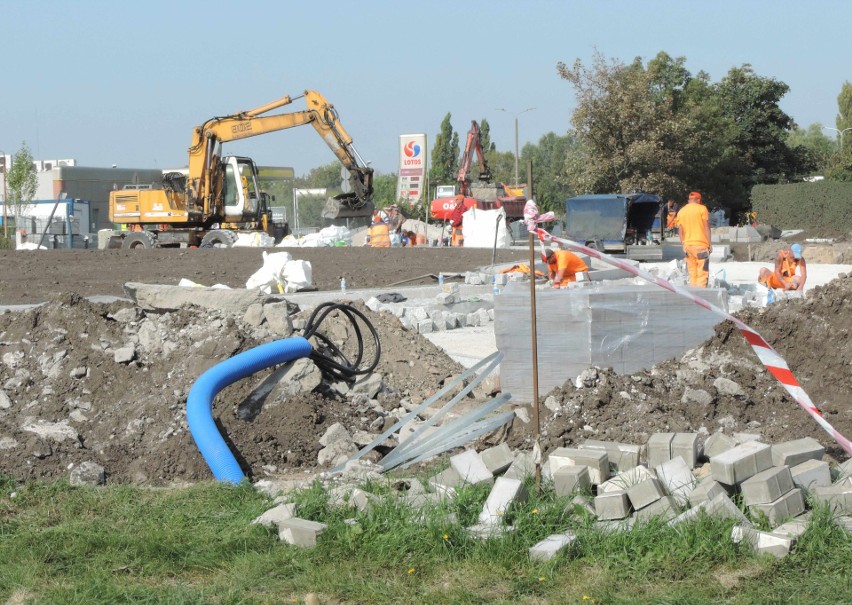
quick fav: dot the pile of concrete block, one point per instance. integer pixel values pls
(667, 479)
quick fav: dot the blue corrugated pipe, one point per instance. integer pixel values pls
(199, 404)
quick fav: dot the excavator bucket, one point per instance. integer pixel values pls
(347, 205)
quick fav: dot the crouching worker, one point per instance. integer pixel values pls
(563, 266)
(790, 270)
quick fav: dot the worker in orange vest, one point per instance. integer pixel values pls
(694, 227)
(456, 219)
(380, 231)
(790, 272)
(563, 266)
(671, 216)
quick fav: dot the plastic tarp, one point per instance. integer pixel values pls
(329, 236)
(482, 226)
(280, 273)
(258, 239)
(626, 327)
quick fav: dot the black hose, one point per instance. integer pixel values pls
(336, 363)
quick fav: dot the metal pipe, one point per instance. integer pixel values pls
(537, 446)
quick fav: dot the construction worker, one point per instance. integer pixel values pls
(456, 219)
(790, 272)
(563, 266)
(671, 216)
(694, 226)
(379, 232)
(395, 221)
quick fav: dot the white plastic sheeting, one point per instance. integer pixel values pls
(329, 236)
(626, 327)
(280, 274)
(481, 226)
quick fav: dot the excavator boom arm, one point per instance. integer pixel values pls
(319, 113)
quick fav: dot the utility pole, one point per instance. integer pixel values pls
(516, 135)
(5, 196)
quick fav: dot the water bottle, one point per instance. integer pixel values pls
(441, 280)
(770, 296)
(343, 285)
(494, 287)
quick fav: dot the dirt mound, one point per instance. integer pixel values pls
(108, 384)
(721, 385)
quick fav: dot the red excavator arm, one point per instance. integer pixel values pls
(473, 145)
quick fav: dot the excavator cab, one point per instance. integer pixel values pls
(241, 192)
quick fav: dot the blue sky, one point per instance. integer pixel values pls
(125, 82)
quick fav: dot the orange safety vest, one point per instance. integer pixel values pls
(570, 262)
(379, 235)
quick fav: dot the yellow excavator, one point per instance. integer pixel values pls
(218, 196)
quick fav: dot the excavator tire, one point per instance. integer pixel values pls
(218, 238)
(139, 239)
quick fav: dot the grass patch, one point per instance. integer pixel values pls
(63, 544)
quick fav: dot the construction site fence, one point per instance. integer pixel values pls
(819, 205)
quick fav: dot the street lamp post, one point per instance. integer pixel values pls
(516, 135)
(840, 132)
(5, 198)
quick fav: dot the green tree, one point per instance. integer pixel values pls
(445, 154)
(485, 136)
(384, 190)
(813, 142)
(550, 160)
(21, 181)
(841, 161)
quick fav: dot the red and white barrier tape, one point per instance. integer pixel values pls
(768, 356)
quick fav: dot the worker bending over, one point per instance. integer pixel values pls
(790, 273)
(563, 266)
(379, 232)
(694, 226)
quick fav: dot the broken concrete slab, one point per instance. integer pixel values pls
(155, 297)
(551, 546)
(274, 516)
(470, 468)
(763, 542)
(300, 532)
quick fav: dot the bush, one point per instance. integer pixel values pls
(821, 205)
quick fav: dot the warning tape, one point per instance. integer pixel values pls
(768, 356)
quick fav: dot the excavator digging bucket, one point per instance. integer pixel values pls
(347, 205)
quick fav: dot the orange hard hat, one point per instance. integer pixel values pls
(695, 195)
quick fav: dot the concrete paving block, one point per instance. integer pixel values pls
(612, 505)
(735, 465)
(720, 506)
(794, 528)
(504, 493)
(706, 489)
(659, 449)
(622, 456)
(550, 546)
(685, 445)
(845, 523)
(445, 481)
(584, 504)
(665, 508)
(767, 486)
(845, 469)
(350, 497)
(570, 479)
(612, 526)
(838, 498)
(788, 506)
(627, 479)
(762, 542)
(596, 460)
(522, 467)
(791, 453)
(470, 468)
(426, 500)
(487, 531)
(645, 493)
(300, 532)
(741, 438)
(811, 473)
(677, 478)
(718, 443)
(277, 514)
(497, 459)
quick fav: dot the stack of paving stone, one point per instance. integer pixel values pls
(432, 315)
